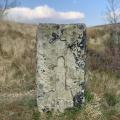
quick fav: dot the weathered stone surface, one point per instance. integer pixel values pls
(60, 66)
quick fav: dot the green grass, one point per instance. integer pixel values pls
(36, 115)
(71, 113)
(28, 102)
(111, 99)
(88, 96)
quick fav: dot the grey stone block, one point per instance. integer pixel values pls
(60, 66)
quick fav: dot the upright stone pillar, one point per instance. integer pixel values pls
(60, 66)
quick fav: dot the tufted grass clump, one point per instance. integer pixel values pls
(111, 99)
(29, 102)
(88, 96)
(36, 115)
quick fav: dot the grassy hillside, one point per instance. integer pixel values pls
(104, 70)
(17, 76)
(17, 57)
(17, 70)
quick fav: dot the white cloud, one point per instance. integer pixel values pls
(43, 14)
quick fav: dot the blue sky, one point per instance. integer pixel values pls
(91, 11)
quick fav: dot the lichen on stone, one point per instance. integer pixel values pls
(61, 74)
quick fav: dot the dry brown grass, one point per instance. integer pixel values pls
(17, 71)
(17, 77)
(103, 75)
(17, 57)
(18, 110)
(96, 39)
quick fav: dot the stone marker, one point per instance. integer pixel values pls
(60, 66)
